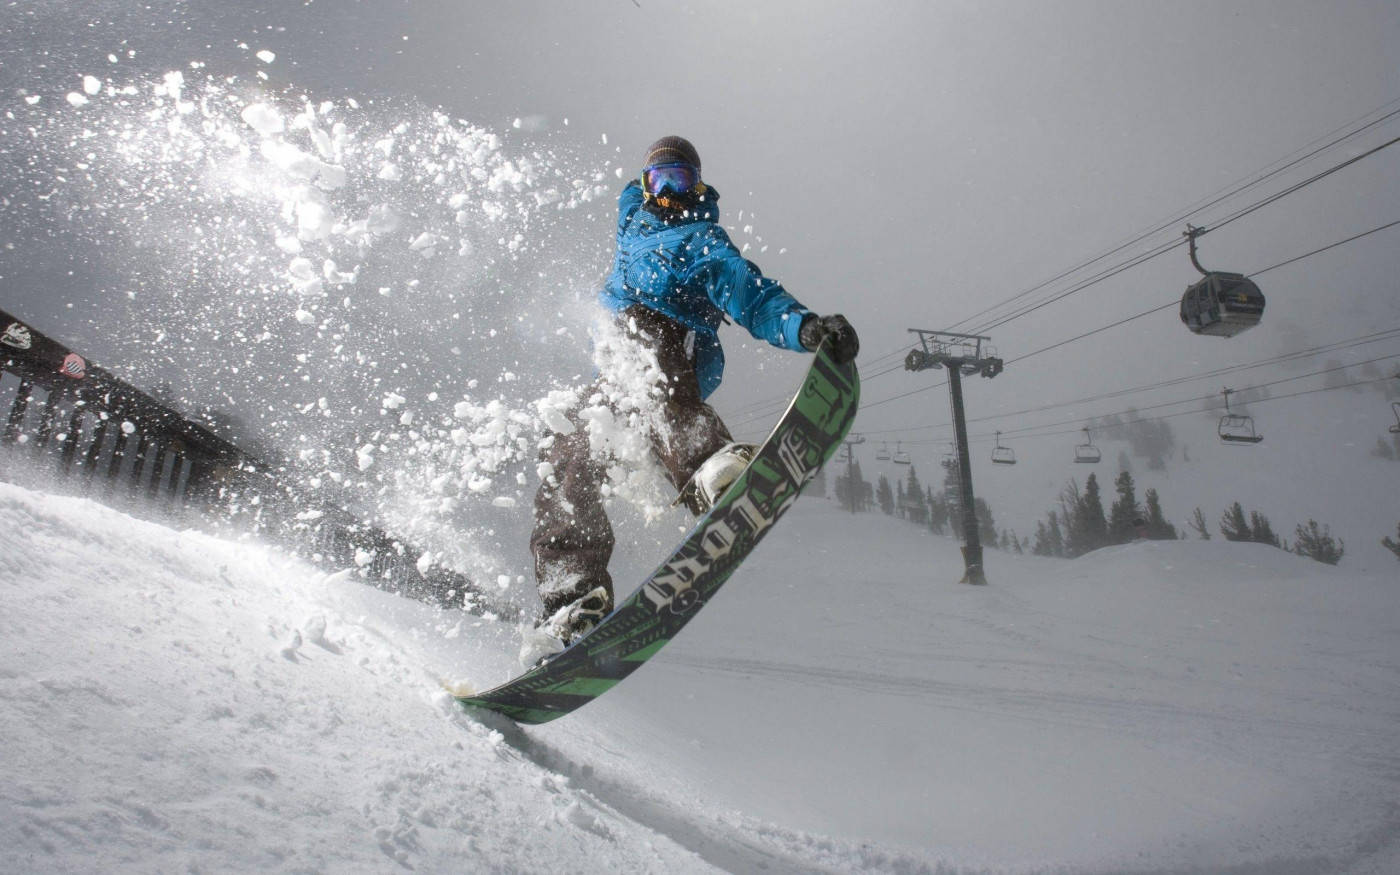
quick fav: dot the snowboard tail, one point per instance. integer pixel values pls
(805, 437)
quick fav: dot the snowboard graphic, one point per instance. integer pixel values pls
(806, 436)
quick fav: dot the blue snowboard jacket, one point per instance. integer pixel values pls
(689, 270)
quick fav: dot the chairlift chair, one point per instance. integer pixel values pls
(883, 454)
(1395, 408)
(900, 457)
(1086, 452)
(1236, 427)
(1003, 455)
(1220, 304)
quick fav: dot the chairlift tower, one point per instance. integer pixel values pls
(851, 441)
(960, 354)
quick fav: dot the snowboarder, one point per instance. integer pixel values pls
(675, 277)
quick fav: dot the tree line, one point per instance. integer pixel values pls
(1080, 524)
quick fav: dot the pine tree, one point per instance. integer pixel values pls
(986, 526)
(1316, 543)
(1198, 522)
(885, 496)
(1383, 450)
(1057, 538)
(1016, 544)
(851, 488)
(1125, 515)
(1158, 529)
(1260, 531)
(1233, 524)
(914, 494)
(1087, 528)
(1393, 546)
(899, 497)
(938, 512)
(1049, 540)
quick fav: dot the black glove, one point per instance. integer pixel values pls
(844, 343)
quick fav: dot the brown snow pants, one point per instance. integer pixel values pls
(572, 540)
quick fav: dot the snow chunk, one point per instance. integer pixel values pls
(383, 219)
(266, 56)
(76, 99)
(554, 408)
(364, 457)
(92, 85)
(263, 118)
(303, 275)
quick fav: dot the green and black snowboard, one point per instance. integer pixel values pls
(806, 436)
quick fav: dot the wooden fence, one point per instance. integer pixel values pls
(122, 446)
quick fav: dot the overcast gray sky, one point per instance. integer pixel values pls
(914, 161)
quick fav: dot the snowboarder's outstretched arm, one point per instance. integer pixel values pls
(763, 306)
(737, 286)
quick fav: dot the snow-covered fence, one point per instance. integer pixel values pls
(123, 446)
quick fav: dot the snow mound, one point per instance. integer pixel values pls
(173, 701)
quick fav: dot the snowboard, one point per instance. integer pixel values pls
(808, 433)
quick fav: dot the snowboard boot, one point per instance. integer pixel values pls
(564, 627)
(715, 475)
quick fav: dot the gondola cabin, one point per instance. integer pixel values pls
(1222, 304)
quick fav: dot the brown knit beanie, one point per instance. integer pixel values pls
(671, 150)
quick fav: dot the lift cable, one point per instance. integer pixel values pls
(1135, 261)
(1327, 247)
(1323, 349)
(1143, 313)
(1165, 248)
(982, 438)
(1037, 430)
(1206, 203)
(1173, 303)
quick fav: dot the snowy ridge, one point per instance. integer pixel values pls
(173, 701)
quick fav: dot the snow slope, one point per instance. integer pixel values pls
(172, 701)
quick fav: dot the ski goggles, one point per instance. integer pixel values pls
(677, 178)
